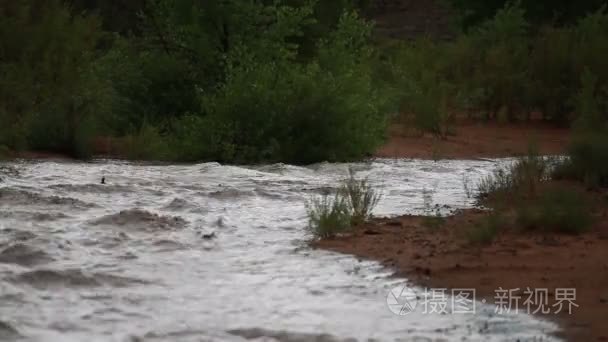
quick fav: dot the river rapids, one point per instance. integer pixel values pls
(210, 252)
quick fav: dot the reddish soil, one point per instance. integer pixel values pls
(477, 140)
(444, 258)
(41, 155)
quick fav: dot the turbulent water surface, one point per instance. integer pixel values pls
(211, 253)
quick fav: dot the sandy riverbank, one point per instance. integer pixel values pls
(444, 258)
(477, 140)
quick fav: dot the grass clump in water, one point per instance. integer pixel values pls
(350, 206)
(328, 216)
(360, 197)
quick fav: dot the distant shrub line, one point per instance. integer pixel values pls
(504, 69)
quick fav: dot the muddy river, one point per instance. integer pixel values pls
(209, 252)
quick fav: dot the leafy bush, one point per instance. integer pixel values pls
(588, 151)
(557, 210)
(147, 144)
(502, 44)
(329, 109)
(588, 160)
(424, 91)
(46, 87)
(553, 74)
(503, 68)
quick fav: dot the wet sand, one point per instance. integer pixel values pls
(476, 140)
(444, 258)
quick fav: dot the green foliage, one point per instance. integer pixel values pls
(588, 159)
(149, 86)
(328, 216)
(553, 73)
(351, 205)
(424, 90)
(329, 109)
(483, 71)
(561, 12)
(147, 144)
(360, 197)
(225, 80)
(502, 45)
(46, 91)
(557, 210)
(520, 178)
(588, 152)
(503, 68)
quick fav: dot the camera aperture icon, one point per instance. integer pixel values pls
(402, 300)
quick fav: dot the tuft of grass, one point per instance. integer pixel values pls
(360, 197)
(350, 206)
(522, 177)
(328, 216)
(557, 210)
(485, 231)
(434, 222)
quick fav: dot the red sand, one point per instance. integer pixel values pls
(477, 140)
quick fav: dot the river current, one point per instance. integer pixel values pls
(210, 252)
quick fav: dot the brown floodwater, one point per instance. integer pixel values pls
(209, 252)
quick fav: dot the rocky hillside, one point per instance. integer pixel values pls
(408, 19)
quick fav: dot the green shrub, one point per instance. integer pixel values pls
(588, 151)
(522, 177)
(424, 92)
(553, 73)
(147, 144)
(329, 109)
(328, 217)
(591, 36)
(45, 55)
(502, 43)
(360, 197)
(588, 160)
(557, 210)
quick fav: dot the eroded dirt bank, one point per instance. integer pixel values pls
(444, 258)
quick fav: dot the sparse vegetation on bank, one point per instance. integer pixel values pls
(505, 69)
(350, 206)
